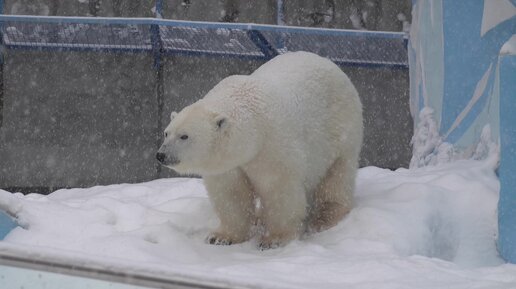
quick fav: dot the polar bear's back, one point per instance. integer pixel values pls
(303, 77)
(317, 103)
(312, 91)
(292, 66)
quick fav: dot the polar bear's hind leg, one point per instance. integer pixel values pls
(334, 196)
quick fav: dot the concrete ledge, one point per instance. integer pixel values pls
(68, 267)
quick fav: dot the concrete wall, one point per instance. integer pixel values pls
(388, 126)
(107, 8)
(385, 15)
(77, 119)
(230, 10)
(81, 119)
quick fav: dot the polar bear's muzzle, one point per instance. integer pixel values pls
(167, 160)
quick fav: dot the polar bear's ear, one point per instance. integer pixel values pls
(173, 115)
(221, 121)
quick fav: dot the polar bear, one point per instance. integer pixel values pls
(289, 135)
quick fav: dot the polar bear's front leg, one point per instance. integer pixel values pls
(284, 210)
(233, 200)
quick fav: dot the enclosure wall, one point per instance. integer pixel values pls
(380, 15)
(75, 119)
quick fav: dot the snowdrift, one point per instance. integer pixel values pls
(433, 227)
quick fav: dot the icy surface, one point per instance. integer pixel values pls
(433, 227)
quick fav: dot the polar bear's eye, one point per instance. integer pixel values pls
(184, 137)
(166, 135)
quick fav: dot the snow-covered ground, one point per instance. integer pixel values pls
(432, 227)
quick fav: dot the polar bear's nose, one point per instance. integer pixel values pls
(161, 157)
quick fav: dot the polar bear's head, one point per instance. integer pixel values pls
(201, 141)
(189, 139)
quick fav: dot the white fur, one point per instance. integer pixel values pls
(291, 136)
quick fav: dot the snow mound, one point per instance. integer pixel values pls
(432, 227)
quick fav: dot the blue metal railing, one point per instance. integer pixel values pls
(200, 38)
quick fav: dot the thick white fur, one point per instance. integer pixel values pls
(291, 136)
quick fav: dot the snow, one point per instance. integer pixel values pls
(431, 227)
(426, 139)
(428, 147)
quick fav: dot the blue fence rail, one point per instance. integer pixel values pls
(201, 38)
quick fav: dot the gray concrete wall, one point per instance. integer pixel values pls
(386, 15)
(107, 8)
(387, 121)
(77, 119)
(237, 11)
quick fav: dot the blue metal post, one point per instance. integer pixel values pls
(507, 202)
(158, 9)
(280, 15)
(157, 49)
(261, 42)
(280, 20)
(157, 43)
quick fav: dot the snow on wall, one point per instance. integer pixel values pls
(458, 54)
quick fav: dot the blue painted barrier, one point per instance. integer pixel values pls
(6, 224)
(507, 171)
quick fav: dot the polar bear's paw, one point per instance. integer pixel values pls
(218, 239)
(269, 245)
(225, 239)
